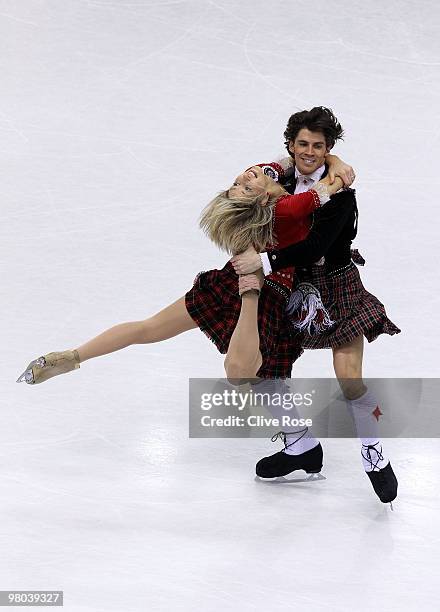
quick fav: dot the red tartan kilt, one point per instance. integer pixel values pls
(214, 304)
(355, 310)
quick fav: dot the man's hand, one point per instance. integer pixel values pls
(339, 168)
(247, 262)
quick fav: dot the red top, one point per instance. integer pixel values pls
(292, 222)
(292, 219)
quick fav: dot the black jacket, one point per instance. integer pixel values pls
(334, 227)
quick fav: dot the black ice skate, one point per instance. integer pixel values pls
(281, 464)
(384, 480)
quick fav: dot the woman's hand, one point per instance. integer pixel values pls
(250, 282)
(247, 262)
(331, 187)
(336, 167)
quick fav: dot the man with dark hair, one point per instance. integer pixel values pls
(318, 119)
(305, 143)
(330, 307)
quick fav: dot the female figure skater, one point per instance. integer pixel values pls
(259, 213)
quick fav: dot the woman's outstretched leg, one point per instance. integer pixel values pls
(244, 359)
(169, 322)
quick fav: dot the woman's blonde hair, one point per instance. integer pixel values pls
(234, 224)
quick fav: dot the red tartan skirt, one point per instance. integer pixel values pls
(214, 304)
(353, 309)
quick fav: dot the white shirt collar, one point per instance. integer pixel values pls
(315, 176)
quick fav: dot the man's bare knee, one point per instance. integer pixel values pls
(352, 388)
(348, 369)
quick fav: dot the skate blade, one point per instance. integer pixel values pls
(40, 361)
(286, 480)
(22, 377)
(28, 370)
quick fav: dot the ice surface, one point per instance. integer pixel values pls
(119, 120)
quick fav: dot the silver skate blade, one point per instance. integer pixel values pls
(391, 506)
(285, 481)
(22, 377)
(27, 376)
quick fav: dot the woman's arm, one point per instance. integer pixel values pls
(281, 169)
(336, 167)
(328, 224)
(296, 207)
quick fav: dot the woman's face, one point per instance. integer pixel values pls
(253, 182)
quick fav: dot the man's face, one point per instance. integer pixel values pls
(309, 150)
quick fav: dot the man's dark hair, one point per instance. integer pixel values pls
(318, 119)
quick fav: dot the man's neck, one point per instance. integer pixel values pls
(314, 176)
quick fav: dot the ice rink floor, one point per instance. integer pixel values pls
(119, 121)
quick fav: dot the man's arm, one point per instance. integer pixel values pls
(328, 224)
(326, 228)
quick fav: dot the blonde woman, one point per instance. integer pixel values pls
(256, 211)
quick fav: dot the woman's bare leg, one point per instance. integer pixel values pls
(244, 359)
(169, 322)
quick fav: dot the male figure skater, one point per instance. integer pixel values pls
(309, 136)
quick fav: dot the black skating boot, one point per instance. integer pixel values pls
(281, 464)
(384, 480)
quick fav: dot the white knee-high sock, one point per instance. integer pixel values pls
(297, 442)
(366, 413)
(300, 442)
